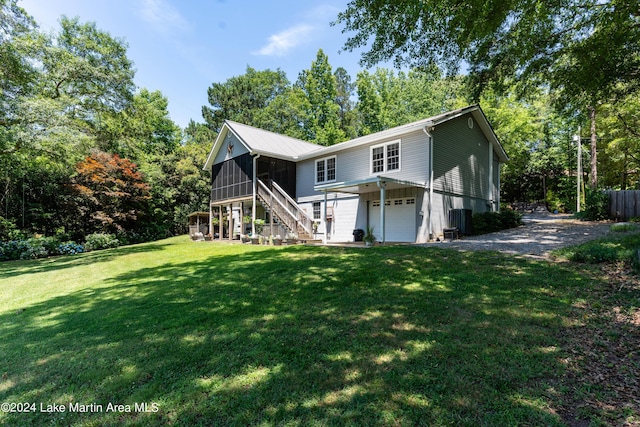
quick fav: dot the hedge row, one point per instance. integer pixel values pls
(43, 247)
(489, 222)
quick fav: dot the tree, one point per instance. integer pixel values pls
(17, 73)
(620, 143)
(584, 49)
(287, 114)
(112, 193)
(192, 184)
(500, 39)
(242, 98)
(56, 91)
(538, 141)
(142, 130)
(369, 105)
(344, 90)
(90, 66)
(386, 100)
(74, 79)
(319, 85)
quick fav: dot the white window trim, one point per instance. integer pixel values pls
(384, 170)
(313, 211)
(315, 170)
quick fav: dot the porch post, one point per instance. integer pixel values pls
(324, 219)
(383, 193)
(271, 214)
(220, 224)
(255, 199)
(230, 213)
(490, 195)
(210, 227)
(498, 189)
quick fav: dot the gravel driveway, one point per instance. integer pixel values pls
(540, 234)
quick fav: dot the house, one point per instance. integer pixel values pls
(402, 181)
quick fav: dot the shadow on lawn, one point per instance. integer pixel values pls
(388, 336)
(16, 268)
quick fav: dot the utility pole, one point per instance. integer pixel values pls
(578, 140)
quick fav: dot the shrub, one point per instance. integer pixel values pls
(34, 249)
(623, 227)
(22, 249)
(50, 244)
(12, 249)
(69, 248)
(6, 228)
(613, 248)
(489, 222)
(602, 252)
(37, 248)
(97, 241)
(554, 203)
(596, 206)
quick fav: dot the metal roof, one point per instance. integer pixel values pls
(271, 143)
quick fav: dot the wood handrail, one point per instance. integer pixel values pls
(292, 220)
(302, 216)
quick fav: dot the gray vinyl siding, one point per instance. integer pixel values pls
(444, 202)
(305, 177)
(355, 163)
(238, 149)
(461, 159)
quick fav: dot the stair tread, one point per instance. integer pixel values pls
(285, 217)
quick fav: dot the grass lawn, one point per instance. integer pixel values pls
(217, 334)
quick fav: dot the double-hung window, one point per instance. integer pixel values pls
(385, 157)
(326, 170)
(317, 215)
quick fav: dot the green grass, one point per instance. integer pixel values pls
(622, 245)
(218, 334)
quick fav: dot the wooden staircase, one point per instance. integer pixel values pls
(283, 207)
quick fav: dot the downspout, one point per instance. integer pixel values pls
(427, 129)
(255, 190)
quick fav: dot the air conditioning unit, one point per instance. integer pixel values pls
(461, 219)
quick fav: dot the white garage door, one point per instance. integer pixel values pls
(400, 223)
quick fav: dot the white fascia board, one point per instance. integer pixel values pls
(363, 140)
(338, 186)
(226, 128)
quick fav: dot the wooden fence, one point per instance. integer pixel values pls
(624, 204)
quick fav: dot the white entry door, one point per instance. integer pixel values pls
(400, 222)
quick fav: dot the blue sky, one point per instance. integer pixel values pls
(182, 47)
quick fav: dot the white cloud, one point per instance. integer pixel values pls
(162, 16)
(279, 44)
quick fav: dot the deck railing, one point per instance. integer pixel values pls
(284, 208)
